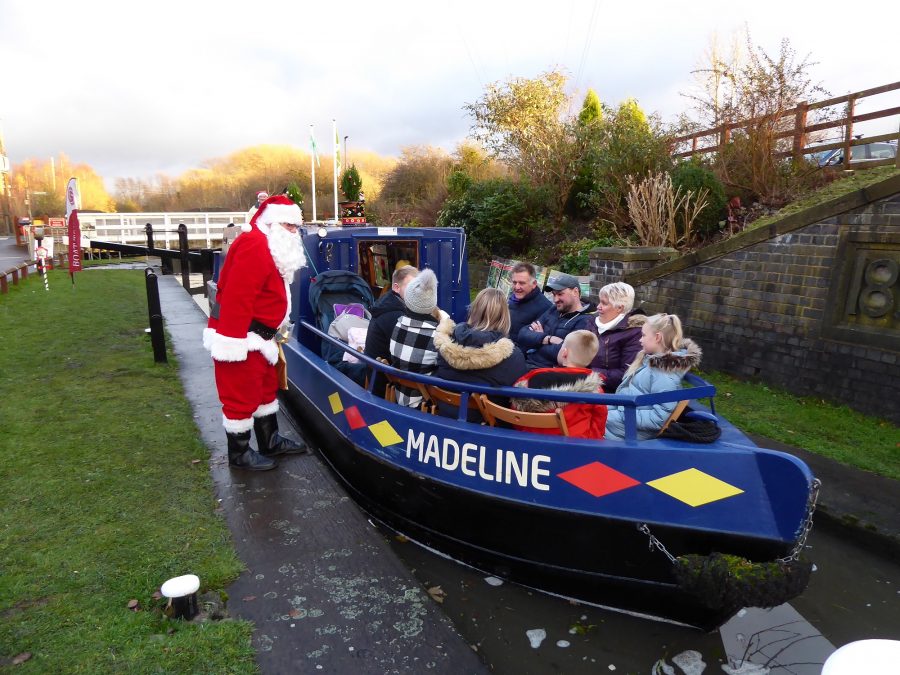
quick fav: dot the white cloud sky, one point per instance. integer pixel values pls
(139, 88)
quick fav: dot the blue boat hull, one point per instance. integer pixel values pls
(559, 515)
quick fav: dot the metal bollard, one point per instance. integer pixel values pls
(185, 261)
(148, 228)
(157, 335)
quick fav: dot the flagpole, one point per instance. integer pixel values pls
(335, 153)
(312, 163)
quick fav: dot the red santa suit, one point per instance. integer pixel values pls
(253, 302)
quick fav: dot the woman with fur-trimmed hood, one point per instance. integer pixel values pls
(479, 350)
(664, 360)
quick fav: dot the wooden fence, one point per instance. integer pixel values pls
(721, 135)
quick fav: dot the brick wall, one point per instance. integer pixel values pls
(810, 304)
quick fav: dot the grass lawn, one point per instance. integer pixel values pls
(824, 428)
(102, 499)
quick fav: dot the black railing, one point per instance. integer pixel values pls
(199, 261)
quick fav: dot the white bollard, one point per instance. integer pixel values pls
(182, 592)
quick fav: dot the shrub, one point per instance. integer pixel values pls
(498, 215)
(351, 184)
(694, 176)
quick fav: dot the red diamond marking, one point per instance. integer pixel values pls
(354, 418)
(598, 479)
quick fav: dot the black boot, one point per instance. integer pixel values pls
(242, 456)
(272, 443)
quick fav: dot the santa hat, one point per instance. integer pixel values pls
(276, 209)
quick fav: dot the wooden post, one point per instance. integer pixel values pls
(897, 156)
(800, 130)
(848, 135)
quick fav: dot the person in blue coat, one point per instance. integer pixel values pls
(542, 339)
(665, 358)
(527, 302)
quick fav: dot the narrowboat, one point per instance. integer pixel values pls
(669, 529)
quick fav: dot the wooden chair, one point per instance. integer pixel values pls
(436, 394)
(390, 391)
(674, 416)
(550, 420)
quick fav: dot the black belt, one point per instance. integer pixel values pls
(262, 330)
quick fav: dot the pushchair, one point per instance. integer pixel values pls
(347, 289)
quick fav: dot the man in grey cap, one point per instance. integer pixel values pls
(542, 339)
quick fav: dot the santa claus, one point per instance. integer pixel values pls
(253, 301)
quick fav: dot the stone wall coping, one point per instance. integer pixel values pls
(815, 214)
(634, 253)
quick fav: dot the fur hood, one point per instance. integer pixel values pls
(685, 359)
(589, 384)
(463, 357)
(636, 320)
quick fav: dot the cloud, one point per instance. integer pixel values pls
(138, 89)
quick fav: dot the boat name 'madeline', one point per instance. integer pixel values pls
(504, 466)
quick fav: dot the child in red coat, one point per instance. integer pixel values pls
(584, 420)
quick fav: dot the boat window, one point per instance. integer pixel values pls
(379, 258)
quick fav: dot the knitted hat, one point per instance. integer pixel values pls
(421, 293)
(276, 209)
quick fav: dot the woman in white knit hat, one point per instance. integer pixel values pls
(412, 341)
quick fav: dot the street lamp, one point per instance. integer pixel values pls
(346, 159)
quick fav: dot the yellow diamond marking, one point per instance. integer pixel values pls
(335, 401)
(695, 488)
(384, 433)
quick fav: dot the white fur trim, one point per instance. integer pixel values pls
(268, 348)
(280, 213)
(266, 409)
(237, 426)
(224, 348)
(208, 335)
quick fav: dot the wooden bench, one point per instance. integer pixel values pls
(453, 398)
(674, 416)
(492, 412)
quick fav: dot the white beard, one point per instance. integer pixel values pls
(287, 251)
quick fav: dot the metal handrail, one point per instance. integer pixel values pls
(700, 388)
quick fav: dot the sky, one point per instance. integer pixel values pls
(135, 89)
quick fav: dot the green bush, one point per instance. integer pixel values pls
(694, 176)
(499, 215)
(573, 258)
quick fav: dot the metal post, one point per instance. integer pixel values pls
(207, 265)
(157, 336)
(148, 228)
(185, 262)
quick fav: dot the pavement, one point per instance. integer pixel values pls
(322, 587)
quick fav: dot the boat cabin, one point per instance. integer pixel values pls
(374, 253)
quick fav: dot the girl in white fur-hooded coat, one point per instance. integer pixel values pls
(665, 358)
(479, 350)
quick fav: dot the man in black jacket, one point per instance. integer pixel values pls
(541, 340)
(526, 301)
(385, 313)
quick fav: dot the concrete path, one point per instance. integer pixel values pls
(322, 586)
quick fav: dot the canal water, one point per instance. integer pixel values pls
(854, 594)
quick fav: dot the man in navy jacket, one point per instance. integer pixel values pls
(541, 340)
(526, 302)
